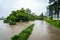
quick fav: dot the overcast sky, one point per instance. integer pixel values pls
(36, 6)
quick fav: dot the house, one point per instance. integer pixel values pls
(52, 10)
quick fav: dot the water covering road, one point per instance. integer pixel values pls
(41, 31)
(7, 31)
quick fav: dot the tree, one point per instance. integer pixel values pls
(51, 1)
(28, 11)
(14, 13)
(18, 15)
(40, 17)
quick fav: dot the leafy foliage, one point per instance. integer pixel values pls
(51, 1)
(41, 17)
(16, 16)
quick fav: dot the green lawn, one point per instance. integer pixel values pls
(54, 23)
(24, 35)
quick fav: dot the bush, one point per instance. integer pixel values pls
(24, 34)
(15, 37)
(12, 23)
(5, 21)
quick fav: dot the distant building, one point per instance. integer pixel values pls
(2, 18)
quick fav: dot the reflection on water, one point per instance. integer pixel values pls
(44, 31)
(41, 31)
(7, 31)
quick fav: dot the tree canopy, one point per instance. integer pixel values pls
(22, 14)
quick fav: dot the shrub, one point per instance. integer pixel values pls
(5, 21)
(12, 23)
(15, 37)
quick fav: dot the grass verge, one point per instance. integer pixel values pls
(24, 34)
(54, 23)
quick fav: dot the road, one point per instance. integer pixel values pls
(8, 31)
(44, 31)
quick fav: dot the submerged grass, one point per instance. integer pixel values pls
(54, 23)
(24, 34)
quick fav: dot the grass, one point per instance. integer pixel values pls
(24, 35)
(54, 23)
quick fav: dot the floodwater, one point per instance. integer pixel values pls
(7, 31)
(43, 31)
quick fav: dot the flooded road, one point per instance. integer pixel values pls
(44, 31)
(41, 30)
(7, 31)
